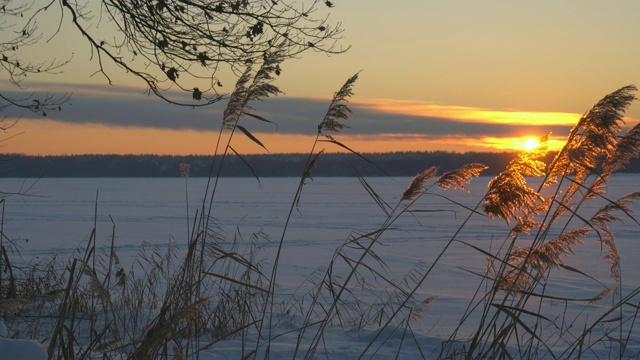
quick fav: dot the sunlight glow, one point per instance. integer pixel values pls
(469, 114)
(530, 144)
(554, 143)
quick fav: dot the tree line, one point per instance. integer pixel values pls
(270, 165)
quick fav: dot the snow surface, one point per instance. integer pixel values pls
(12, 349)
(155, 211)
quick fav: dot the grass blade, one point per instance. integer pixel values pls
(250, 136)
(246, 163)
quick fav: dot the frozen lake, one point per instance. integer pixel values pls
(59, 215)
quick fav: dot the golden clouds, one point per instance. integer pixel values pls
(469, 114)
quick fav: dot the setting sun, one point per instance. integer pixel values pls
(530, 144)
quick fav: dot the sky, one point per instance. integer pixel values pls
(433, 75)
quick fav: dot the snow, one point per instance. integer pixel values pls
(12, 349)
(154, 211)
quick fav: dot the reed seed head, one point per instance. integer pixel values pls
(417, 185)
(458, 178)
(184, 170)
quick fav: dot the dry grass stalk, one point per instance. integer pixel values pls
(247, 90)
(550, 253)
(337, 109)
(456, 179)
(514, 282)
(418, 183)
(601, 221)
(601, 295)
(509, 195)
(95, 285)
(627, 148)
(524, 225)
(594, 136)
(312, 165)
(184, 170)
(11, 306)
(423, 308)
(593, 145)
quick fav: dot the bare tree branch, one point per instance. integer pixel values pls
(17, 33)
(184, 44)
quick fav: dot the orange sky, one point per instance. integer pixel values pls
(455, 76)
(44, 136)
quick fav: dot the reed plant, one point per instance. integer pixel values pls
(179, 300)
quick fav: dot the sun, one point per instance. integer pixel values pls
(530, 144)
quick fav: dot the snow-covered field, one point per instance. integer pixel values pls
(59, 215)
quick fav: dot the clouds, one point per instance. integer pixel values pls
(132, 107)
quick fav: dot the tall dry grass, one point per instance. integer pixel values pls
(177, 304)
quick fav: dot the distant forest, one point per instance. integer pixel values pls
(275, 165)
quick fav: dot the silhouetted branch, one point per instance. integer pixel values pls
(183, 44)
(16, 35)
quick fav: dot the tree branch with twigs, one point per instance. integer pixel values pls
(18, 32)
(185, 45)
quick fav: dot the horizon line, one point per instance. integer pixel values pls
(275, 154)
